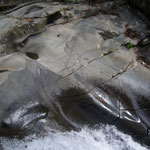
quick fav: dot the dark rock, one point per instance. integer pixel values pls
(143, 5)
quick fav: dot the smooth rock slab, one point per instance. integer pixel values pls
(75, 73)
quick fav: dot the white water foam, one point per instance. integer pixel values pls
(106, 138)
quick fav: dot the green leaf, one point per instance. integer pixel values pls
(130, 45)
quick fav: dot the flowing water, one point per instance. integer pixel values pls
(105, 138)
(76, 123)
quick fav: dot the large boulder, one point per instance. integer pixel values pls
(66, 66)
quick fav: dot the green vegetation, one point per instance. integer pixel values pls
(129, 45)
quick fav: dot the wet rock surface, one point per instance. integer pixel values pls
(66, 66)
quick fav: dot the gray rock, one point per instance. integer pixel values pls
(75, 72)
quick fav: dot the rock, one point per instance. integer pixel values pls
(143, 5)
(10, 4)
(71, 69)
(143, 52)
(31, 19)
(12, 1)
